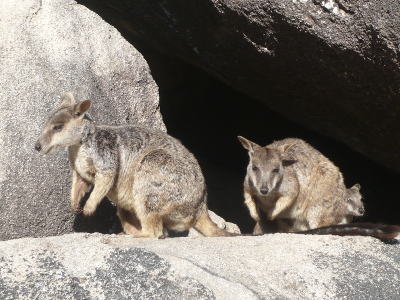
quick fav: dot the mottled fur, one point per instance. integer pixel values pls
(153, 179)
(329, 202)
(290, 186)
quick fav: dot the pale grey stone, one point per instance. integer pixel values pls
(49, 47)
(276, 266)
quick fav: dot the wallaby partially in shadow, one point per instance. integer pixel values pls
(153, 179)
(290, 187)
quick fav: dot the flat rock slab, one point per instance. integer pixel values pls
(278, 266)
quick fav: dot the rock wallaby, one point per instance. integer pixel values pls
(295, 186)
(330, 203)
(292, 187)
(340, 212)
(155, 182)
(354, 203)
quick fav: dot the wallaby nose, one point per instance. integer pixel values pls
(38, 147)
(361, 211)
(264, 190)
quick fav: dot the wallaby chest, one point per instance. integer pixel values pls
(83, 163)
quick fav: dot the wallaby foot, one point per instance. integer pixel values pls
(208, 228)
(152, 226)
(129, 221)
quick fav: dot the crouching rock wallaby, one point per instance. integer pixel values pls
(330, 203)
(292, 187)
(153, 179)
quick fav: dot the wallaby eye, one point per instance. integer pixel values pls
(255, 168)
(276, 170)
(58, 127)
(349, 200)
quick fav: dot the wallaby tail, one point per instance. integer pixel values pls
(207, 227)
(380, 231)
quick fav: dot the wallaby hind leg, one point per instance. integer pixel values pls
(152, 226)
(129, 221)
(207, 227)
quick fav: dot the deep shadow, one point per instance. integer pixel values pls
(105, 220)
(207, 116)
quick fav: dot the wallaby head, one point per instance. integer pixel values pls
(354, 201)
(266, 167)
(64, 127)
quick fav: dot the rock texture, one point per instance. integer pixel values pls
(279, 266)
(331, 65)
(49, 47)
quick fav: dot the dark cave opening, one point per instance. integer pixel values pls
(208, 115)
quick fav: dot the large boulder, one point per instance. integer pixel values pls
(48, 48)
(332, 66)
(278, 266)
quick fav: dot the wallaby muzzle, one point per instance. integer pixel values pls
(38, 146)
(264, 190)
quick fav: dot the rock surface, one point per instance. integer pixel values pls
(279, 266)
(331, 65)
(49, 47)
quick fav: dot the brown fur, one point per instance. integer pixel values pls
(153, 179)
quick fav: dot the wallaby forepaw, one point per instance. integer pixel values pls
(76, 209)
(88, 211)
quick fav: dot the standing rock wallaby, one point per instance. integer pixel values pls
(153, 179)
(290, 187)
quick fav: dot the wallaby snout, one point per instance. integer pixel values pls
(264, 190)
(38, 146)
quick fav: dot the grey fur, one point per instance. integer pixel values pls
(290, 187)
(153, 179)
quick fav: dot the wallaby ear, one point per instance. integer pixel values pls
(357, 186)
(81, 108)
(249, 145)
(282, 149)
(67, 100)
